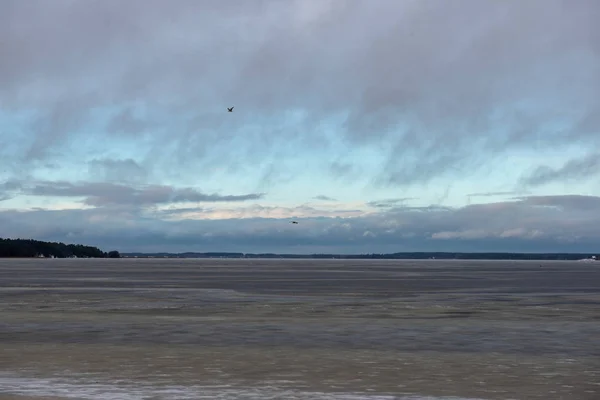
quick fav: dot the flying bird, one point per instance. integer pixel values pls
(230, 109)
(293, 222)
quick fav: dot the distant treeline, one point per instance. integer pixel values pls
(37, 248)
(392, 256)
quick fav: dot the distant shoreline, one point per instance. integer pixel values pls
(29, 248)
(391, 256)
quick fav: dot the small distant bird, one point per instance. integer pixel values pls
(230, 109)
(293, 222)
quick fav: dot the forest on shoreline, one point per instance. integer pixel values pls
(37, 248)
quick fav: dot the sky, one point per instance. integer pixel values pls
(378, 125)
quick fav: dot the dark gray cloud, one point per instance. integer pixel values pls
(494, 194)
(573, 170)
(387, 203)
(101, 194)
(542, 223)
(443, 84)
(324, 198)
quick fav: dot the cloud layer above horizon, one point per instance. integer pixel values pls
(380, 126)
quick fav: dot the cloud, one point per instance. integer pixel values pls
(120, 108)
(324, 198)
(256, 211)
(575, 169)
(542, 223)
(389, 202)
(497, 194)
(105, 194)
(571, 202)
(443, 93)
(493, 194)
(7, 189)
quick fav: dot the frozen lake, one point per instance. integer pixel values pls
(299, 329)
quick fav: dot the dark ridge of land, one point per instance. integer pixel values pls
(390, 256)
(37, 248)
